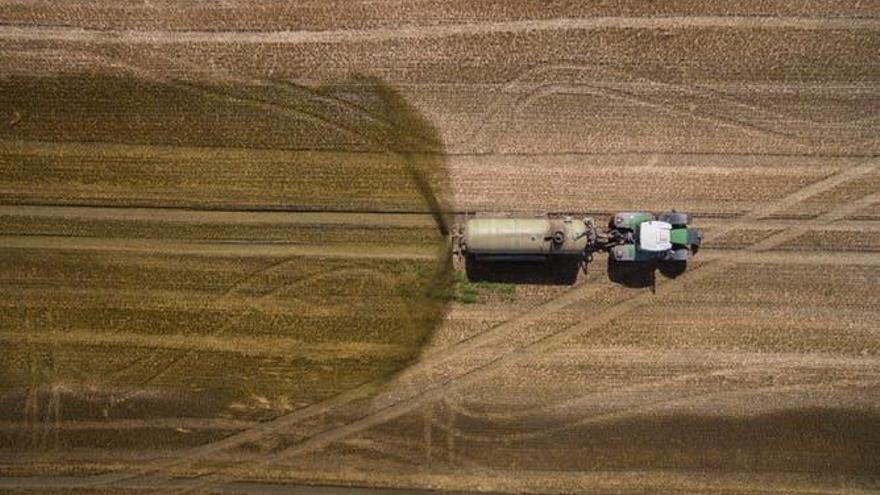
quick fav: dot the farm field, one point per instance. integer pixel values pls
(225, 266)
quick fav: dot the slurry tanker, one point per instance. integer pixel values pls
(630, 237)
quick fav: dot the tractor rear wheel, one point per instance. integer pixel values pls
(674, 218)
(672, 269)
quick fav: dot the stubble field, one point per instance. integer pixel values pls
(224, 261)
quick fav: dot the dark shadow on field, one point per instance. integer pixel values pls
(350, 146)
(334, 138)
(635, 274)
(406, 133)
(402, 130)
(641, 274)
(672, 269)
(553, 271)
(812, 440)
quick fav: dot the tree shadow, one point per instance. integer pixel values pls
(355, 145)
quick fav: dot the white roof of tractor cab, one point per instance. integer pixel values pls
(654, 236)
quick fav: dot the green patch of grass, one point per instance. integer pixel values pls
(465, 291)
(496, 288)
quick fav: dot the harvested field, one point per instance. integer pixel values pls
(224, 260)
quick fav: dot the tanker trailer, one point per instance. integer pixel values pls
(525, 239)
(631, 236)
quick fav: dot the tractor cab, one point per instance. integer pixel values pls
(654, 236)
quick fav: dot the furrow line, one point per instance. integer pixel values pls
(166, 37)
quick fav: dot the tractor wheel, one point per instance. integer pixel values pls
(674, 218)
(672, 269)
(681, 254)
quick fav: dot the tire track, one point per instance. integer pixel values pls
(389, 219)
(800, 228)
(536, 91)
(354, 219)
(553, 89)
(53, 484)
(122, 424)
(716, 118)
(736, 365)
(254, 346)
(247, 217)
(678, 482)
(166, 37)
(238, 249)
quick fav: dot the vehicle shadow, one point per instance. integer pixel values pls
(640, 274)
(564, 271)
(554, 271)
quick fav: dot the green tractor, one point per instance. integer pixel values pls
(639, 236)
(631, 236)
(636, 244)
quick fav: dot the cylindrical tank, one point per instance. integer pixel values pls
(487, 237)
